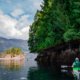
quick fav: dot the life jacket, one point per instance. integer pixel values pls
(76, 64)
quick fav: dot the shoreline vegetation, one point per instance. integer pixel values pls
(55, 32)
(12, 54)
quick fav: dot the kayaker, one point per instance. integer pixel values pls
(76, 69)
(76, 63)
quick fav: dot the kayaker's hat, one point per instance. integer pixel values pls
(77, 59)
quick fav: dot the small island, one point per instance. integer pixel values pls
(12, 54)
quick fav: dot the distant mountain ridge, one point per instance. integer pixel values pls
(9, 43)
(2, 38)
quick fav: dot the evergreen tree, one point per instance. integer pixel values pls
(58, 21)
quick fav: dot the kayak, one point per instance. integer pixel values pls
(76, 73)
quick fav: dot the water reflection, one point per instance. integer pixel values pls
(11, 64)
(47, 74)
(28, 70)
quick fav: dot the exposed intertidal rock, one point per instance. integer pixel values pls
(53, 58)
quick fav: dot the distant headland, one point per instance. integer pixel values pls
(12, 54)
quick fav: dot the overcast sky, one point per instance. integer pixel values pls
(16, 16)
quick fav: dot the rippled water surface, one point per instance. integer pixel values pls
(27, 70)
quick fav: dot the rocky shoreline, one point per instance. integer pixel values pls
(9, 57)
(55, 59)
(12, 54)
(63, 54)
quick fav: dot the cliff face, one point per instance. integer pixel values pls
(65, 58)
(63, 54)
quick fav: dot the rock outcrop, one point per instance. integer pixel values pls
(62, 54)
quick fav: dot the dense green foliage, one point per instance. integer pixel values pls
(13, 51)
(58, 21)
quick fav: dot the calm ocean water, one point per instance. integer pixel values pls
(28, 70)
